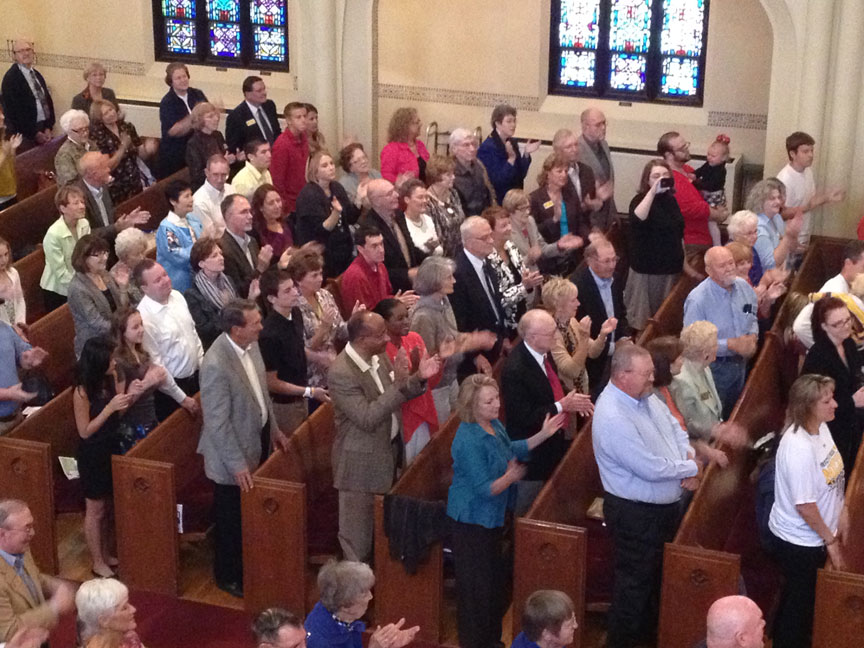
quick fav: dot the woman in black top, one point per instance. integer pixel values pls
(656, 244)
(835, 355)
(97, 407)
(324, 213)
(175, 116)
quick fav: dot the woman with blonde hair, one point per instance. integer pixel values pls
(405, 155)
(555, 205)
(94, 75)
(119, 140)
(537, 253)
(206, 141)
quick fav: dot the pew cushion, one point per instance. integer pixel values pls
(197, 501)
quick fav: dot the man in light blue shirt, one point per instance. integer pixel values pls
(14, 353)
(728, 302)
(645, 463)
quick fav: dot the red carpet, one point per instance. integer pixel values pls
(166, 622)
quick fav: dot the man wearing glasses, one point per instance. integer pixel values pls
(28, 598)
(26, 100)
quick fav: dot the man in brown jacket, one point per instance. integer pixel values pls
(367, 394)
(27, 597)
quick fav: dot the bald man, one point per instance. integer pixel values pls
(594, 151)
(735, 622)
(728, 302)
(27, 103)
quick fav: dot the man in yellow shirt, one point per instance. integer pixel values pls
(256, 171)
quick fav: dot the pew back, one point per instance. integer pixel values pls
(153, 200)
(30, 270)
(24, 224)
(35, 167)
(55, 333)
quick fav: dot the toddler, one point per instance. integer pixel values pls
(710, 179)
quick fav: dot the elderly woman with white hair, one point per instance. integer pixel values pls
(105, 615)
(346, 588)
(76, 125)
(131, 247)
(471, 180)
(776, 240)
(94, 75)
(743, 228)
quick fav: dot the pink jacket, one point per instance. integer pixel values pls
(398, 158)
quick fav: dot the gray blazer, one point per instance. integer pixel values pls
(91, 312)
(697, 399)
(231, 433)
(362, 457)
(606, 215)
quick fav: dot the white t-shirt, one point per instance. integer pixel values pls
(800, 188)
(422, 233)
(809, 470)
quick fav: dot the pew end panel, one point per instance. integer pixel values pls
(838, 620)
(418, 597)
(275, 544)
(55, 333)
(25, 474)
(148, 544)
(24, 224)
(693, 578)
(30, 270)
(550, 556)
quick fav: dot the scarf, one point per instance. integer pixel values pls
(220, 292)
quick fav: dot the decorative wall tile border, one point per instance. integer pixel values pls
(47, 59)
(459, 97)
(748, 121)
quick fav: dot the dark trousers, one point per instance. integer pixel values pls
(638, 532)
(52, 300)
(165, 405)
(483, 578)
(227, 535)
(793, 625)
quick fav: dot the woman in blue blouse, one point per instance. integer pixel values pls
(176, 235)
(486, 467)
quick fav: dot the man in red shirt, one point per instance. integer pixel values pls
(366, 279)
(696, 212)
(290, 154)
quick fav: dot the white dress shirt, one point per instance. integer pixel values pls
(477, 264)
(252, 376)
(207, 205)
(169, 335)
(372, 368)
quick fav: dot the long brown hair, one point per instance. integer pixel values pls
(124, 354)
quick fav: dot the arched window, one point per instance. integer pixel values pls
(234, 33)
(630, 50)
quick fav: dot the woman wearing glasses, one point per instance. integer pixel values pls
(76, 125)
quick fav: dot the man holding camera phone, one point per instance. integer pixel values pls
(697, 213)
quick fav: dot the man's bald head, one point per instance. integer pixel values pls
(720, 265)
(537, 327)
(382, 196)
(593, 123)
(22, 50)
(735, 622)
(95, 168)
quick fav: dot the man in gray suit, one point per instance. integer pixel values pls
(594, 151)
(367, 394)
(239, 424)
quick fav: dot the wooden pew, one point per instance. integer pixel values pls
(153, 200)
(24, 224)
(669, 317)
(558, 546)
(30, 270)
(35, 167)
(55, 333)
(158, 473)
(717, 542)
(291, 519)
(418, 597)
(30, 471)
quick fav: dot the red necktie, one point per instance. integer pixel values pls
(555, 384)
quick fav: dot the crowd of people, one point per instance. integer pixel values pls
(454, 291)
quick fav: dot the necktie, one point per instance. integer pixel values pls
(489, 275)
(265, 125)
(40, 95)
(555, 384)
(25, 577)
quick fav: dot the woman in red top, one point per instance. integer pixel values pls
(419, 417)
(404, 155)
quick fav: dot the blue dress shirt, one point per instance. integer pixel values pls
(521, 641)
(732, 311)
(11, 348)
(478, 460)
(604, 286)
(769, 232)
(641, 451)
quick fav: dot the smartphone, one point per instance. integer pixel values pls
(667, 183)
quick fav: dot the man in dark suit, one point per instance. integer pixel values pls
(238, 430)
(255, 118)
(27, 103)
(531, 391)
(476, 299)
(401, 256)
(244, 259)
(601, 297)
(27, 596)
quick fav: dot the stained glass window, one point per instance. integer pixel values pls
(249, 33)
(646, 50)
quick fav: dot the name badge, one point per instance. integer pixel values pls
(548, 204)
(251, 122)
(704, 396)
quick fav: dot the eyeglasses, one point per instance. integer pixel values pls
(83, 129)
(23, 49)
(839, 324)
(98, 254)
(25, 529)
(683, 147)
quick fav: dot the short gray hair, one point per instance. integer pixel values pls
(697, 338)
(95, 598)
(459, 135)
(128, 240)
(70, 117)
(624, 355)
(468, 226)
(10, 507)
(760, 192)
(341, 583)
(739, 220)
(432, 273)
